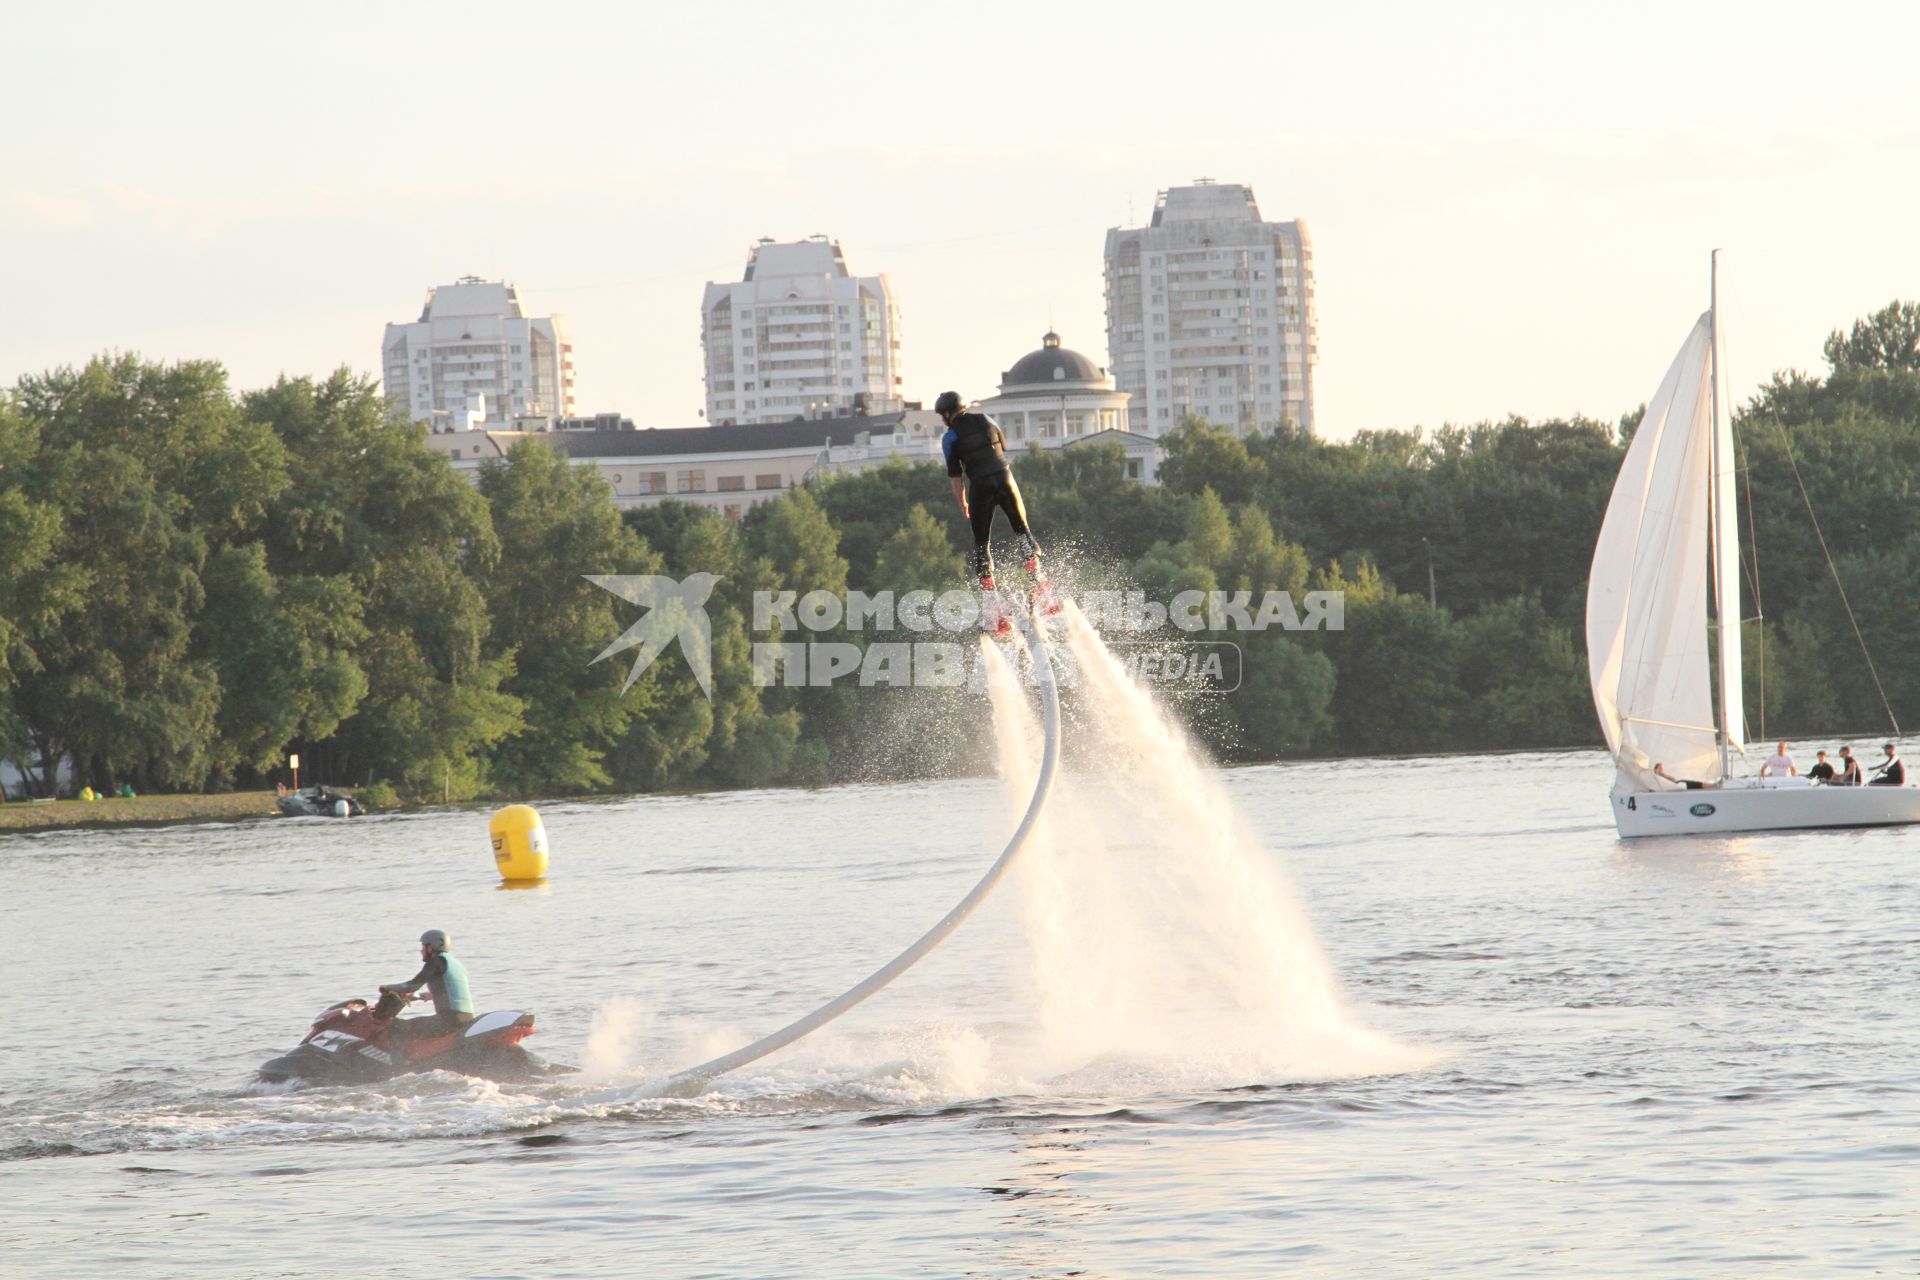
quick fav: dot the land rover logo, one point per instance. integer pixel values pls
(1701, 810)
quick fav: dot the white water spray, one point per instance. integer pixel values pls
(1167, 947)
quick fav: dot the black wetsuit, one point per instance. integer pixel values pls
(975, 448)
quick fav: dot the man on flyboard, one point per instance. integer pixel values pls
(983, 482)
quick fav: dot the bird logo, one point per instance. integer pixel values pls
(676, 609)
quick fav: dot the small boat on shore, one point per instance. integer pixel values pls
(318, 802)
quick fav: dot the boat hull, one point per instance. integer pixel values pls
(1737, 808)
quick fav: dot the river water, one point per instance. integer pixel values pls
(1495, 1040)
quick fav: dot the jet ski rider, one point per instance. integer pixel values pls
(446, 981)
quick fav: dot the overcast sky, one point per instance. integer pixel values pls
(1511, 205)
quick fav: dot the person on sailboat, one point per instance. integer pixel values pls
(1849, 768)
(1660, 772)
(1822, 773)
(1779, 764)
(1891, 772)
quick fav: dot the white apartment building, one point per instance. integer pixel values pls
(800, 336)
(1210, 312)
(473, 339)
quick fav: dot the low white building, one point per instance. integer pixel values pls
(729, 468)
(800, 335)
(474, 350)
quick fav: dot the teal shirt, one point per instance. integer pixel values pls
(449, 987)
(446, 980)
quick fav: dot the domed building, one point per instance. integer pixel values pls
(1054, 397)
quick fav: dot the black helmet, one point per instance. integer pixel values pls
(435, 938)
(949, 402)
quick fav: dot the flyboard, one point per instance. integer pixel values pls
(690, 1081)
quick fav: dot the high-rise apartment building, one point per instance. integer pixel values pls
(800, 337)
(1210, 312)
(473, 339)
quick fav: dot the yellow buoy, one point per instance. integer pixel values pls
(520, 843)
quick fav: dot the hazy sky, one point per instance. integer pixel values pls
(1511, 204)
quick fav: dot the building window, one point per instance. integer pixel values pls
(733, 512)
(653, 482)
(694, 481)
(766, 480)
(731, 484)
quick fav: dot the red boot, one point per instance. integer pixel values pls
(1045, 598)
(993, 614)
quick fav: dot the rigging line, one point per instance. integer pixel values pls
(684, 1083)
(1750, 562)
(1786, 443)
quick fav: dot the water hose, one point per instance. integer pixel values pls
(693, 1079)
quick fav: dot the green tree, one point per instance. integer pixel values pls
(1284, 706)
(33, 589)
(151, 470)
(1209, 537)
(916, 557)
(283, 653)
(1523, 682)
(1888, 339)
(1258, 561)
(380, 509)
(1395, 660)
(555, 524)
(1202, 456)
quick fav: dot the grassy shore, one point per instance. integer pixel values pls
(112, 811)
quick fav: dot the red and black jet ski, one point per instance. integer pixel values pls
(352, 1043)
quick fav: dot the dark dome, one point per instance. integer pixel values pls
(1051, 363)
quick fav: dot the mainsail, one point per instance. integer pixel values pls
(1647, 636)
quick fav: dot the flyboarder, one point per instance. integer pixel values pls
(983, 482)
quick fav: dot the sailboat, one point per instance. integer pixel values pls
(1658, 664)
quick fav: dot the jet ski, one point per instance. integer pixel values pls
(352, 1043)
(318, 802)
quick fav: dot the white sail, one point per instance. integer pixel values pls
(1647, 637)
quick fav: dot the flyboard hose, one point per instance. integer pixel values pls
(682, 1083)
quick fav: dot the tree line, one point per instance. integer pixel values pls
(195, 583)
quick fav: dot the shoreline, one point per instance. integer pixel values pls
(112, 811)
